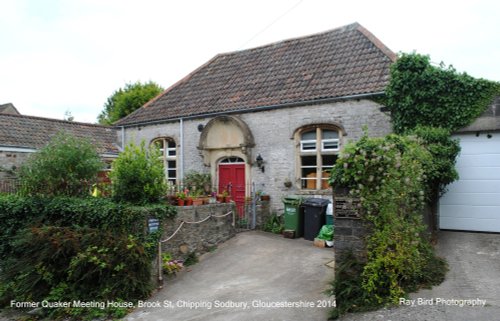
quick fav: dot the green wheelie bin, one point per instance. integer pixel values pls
(294, 216)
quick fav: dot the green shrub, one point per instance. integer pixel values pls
(66, 166)
(138, 176)
(274, 224)
(388, 176)
(17, 213)
(64, 248)
(65, 264)
(348, 287)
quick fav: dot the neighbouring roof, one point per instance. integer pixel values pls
(8, 109)
(35, 132)
(334, 64)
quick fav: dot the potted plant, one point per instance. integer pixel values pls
(227, 197)
(198, 181)
(220, 198)
(197, 199)
(181, 198)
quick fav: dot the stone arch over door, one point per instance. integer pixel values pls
(223, 137)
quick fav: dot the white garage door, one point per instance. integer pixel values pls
(473, 202)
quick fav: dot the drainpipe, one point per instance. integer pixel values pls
(181, 154)
(123, 137)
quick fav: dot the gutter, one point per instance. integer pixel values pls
(181, 154)
(123, 138)
(261, 108)
(17, 149)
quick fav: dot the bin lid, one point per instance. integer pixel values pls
(292, 199)
(316, 202)
(329, 209)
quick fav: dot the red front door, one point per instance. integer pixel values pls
(232, 180)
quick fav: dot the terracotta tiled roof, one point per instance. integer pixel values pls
(338, 63)
(36, 132)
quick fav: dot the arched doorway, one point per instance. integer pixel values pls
(226, 144)
(231, 179)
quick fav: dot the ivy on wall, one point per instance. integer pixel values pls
(437, 96)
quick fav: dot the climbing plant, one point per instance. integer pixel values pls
(389, 177)
(420, 93)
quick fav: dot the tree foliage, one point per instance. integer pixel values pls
(126, 100)
(138, 175)
(422, 94)
(66, 166)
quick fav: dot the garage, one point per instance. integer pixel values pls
(473, 202)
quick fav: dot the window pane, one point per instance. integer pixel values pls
(311, 135)
(328, 161)
(330, 134)
(308, 172)
(309, 161)
(330, 144)
(308, 145)
(171, 150)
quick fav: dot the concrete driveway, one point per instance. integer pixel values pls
(474, 262)
(250, 277)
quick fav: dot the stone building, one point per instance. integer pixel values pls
(21, 136)
(272, 118)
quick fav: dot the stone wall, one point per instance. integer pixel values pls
(198, 238)
(11, 161)
(349, 234)
(273, 132)
(350, 230)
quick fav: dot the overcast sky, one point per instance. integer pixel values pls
(70, 55)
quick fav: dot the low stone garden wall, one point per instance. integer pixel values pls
(204, 237)
(199, 238)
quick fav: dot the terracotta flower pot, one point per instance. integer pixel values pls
(265, 197)
(197, 201)
(180, 202)
(189, 202)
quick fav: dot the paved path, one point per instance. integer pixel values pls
(252, 267)
(474, 260)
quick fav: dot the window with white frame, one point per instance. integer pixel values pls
(168, 154)
(318, 149)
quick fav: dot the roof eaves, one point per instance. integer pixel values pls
(58, 121)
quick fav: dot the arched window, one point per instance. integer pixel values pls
(318, 147)
(168, 154)
(232, 160)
